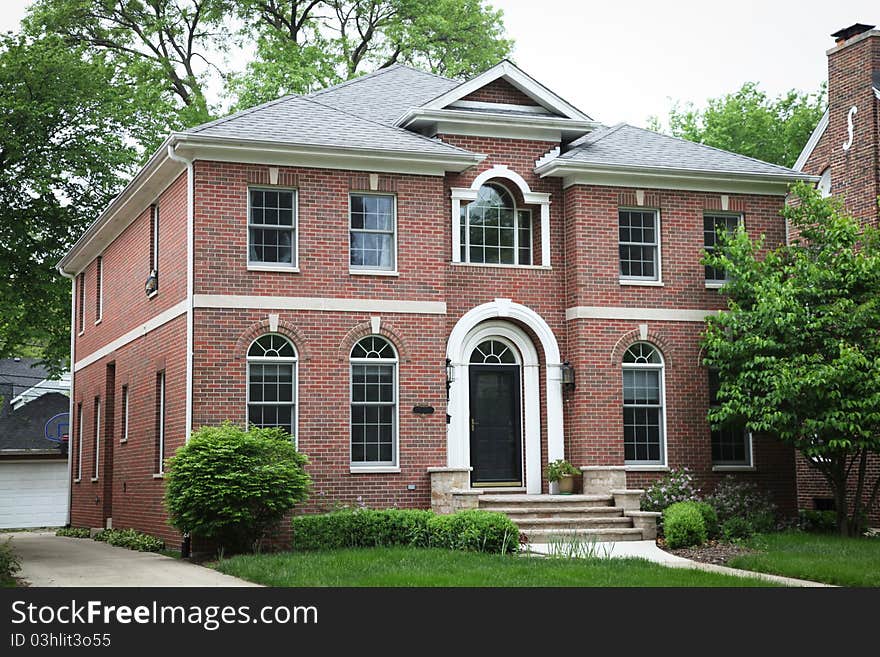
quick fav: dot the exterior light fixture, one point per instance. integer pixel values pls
(567, 375)
(450, 377)
(152, 283)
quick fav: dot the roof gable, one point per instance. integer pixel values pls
(515, 78)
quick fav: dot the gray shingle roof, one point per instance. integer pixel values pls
(385, 95)
(626, 145)
(313, 121)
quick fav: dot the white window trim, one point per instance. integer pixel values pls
(516, 210)
(154, 221)
(377, 466)
(161, 438)
(712, 283)
(97, 439)
(652, 281)
(256, 265)
(294, 360)
(368, 270)
(81, 311)
(125, 408)
(79, 443)
(99, 283)
(664, 438)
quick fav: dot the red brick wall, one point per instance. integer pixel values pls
(125, 268)
(500, 91)
(136, 499)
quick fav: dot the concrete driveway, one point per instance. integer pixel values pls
(49, 560)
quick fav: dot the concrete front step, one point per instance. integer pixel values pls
(584, 522)
(564, 513)
(586, 535)
(547, 501)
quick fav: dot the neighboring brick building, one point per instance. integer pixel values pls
(844, 150)
(341, 264)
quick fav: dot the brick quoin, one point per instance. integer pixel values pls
(584, 272)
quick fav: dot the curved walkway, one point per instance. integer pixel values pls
(49, 560)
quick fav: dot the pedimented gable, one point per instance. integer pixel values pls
(500, 91)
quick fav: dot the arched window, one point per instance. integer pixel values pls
(493, 352)
(643, 396)
(373, 403)
(494, 230)
(272, 384)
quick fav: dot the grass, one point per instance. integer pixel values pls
(388, 567)
(819, 557)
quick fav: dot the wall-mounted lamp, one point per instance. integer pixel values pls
(450, 372)
(152, 283)
(567, 375)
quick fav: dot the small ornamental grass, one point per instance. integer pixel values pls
(233, 486)
(474, 530)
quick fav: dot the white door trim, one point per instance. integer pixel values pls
(470, 328)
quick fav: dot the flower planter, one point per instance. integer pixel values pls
(566, 485)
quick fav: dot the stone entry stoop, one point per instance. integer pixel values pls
(544, 517)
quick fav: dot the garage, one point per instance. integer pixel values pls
(33, 493)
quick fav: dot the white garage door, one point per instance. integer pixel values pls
(33, 494)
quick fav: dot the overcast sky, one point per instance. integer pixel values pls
(628, 60)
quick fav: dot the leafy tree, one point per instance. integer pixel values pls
(65, 147)
(303, 45)
(798, 349)
(750, 123)
(234, 486)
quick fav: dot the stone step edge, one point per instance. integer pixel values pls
(537, 522)
(545, 499)
(585, 510)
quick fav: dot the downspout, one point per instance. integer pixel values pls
(70, 403)
(190, 279)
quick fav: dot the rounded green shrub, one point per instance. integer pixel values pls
(476, 531)
(233, 486)
(684, 525)
(710, 519)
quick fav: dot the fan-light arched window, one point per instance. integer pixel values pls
(643, 398)
(373, 403)
(493, 352)
(494, 230)
(272, 384)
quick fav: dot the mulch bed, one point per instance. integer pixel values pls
(716, 552)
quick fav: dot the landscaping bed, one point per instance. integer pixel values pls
(715, 552)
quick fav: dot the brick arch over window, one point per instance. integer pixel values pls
(364, 329)
(631, 337)
(262, 327)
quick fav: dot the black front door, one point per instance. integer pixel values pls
(496, 456)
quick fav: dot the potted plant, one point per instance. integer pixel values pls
(562, 473)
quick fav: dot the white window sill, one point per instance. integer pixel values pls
(97, 321)
(76, 481)
(372, 272)
(734, 468)
(153, 294)
(500, 265)
(80, 333)
(715, 285)
(373, 469)
(646, 468)
(122, 441)
(159, 475)
(94, 479)
(284, 268)
(635, 281)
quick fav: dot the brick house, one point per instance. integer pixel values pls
(844, 150)
(436, 286)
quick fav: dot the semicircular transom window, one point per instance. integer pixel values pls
(271, 346)
(494, 230)
(493, 352)
(272, 383)
(373, 347)
(642, 353)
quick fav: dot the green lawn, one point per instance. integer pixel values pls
(819, 557)
(427, 567)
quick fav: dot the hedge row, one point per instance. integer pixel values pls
(474, 530)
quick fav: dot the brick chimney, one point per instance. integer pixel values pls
(853, 133)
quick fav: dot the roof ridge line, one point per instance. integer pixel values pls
(345, 83)
(390, 127)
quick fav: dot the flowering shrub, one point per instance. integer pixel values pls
(677, 486)
(743, 510)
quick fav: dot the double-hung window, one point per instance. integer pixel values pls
(643, 397)
(372, 229)
(731, 443)
(494, 230)
(272, 227)
(639, 244)
(715, 225)
(373, 403)
(271, 400)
